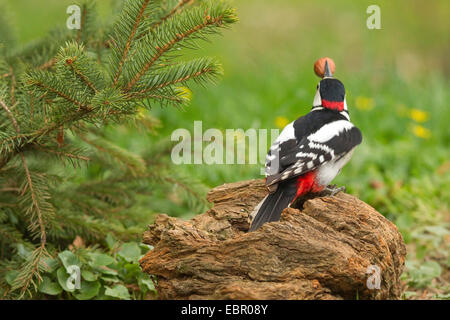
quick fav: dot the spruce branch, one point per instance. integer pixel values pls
(176, 9)
(73, 57)
(121, 48)
(131, 161)
(31, 268)
(11, 117)
(47, 65)
(201, 70)
(58, 94)
(82, 22)
(196, 24)
(80, 75)
(44, 83)
(89, 25)
(61, 154)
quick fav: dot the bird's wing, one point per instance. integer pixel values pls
(329, 143)
(281, 147)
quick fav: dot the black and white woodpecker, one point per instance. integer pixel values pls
(309, 152)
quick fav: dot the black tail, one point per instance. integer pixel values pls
(273, 205)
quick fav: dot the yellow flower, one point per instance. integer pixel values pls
(364, 103)
(281, 122)
(421, 132)
(418, 115)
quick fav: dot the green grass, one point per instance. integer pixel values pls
(403, 166)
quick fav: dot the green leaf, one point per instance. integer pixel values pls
(421, 276)
(88, 275)
(100, 259)
(49, 287)
(50, 264)
(106, 270)
(130, 271)
(11, 276)
(146, 282)
(130, 251)
(69, 259)
(132, 268)
(119, 291)
(432, 268)
(23, 252)
(88, 290)
(110, 278)
(110, 241)
(443, 296)
(62, 277)
(437, 230)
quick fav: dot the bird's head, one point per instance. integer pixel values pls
(330, 92)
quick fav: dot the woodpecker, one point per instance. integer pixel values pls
(309, 152)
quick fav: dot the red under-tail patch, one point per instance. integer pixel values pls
(307, 183)
(333, 105)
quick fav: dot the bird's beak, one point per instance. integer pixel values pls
(327, 73)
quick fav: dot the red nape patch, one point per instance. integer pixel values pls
(333, 105)
(307, 183)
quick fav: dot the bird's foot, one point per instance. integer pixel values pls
(331, 190)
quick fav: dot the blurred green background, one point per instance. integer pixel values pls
(397, 82)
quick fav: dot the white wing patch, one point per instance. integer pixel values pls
(321, 146)
(316, 150)
(330, 130)
(306, 155)
(288, 133)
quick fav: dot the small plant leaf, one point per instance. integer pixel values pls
(88, 275)
(88, 290)
(49, 287)
(62, 277)
(130, 251)
(119, 291)
(69, 259)
(100, 259)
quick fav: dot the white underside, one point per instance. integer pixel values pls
(328, 171)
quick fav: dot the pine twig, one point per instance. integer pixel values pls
(130, 39)
(70, 63)
(63, 154)
(47, 65)
(82, 21)
(208, 22)
(43, 238)
(184, 79)
(176, 9)
(63, 95)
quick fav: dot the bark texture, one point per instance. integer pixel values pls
(323, 251)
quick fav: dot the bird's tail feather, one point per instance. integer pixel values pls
(270, 208)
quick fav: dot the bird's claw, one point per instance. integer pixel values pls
(332, 190)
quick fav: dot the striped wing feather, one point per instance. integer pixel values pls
(327, 144)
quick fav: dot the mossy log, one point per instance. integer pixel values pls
(327, 250)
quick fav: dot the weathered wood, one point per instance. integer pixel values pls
(320, 252)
